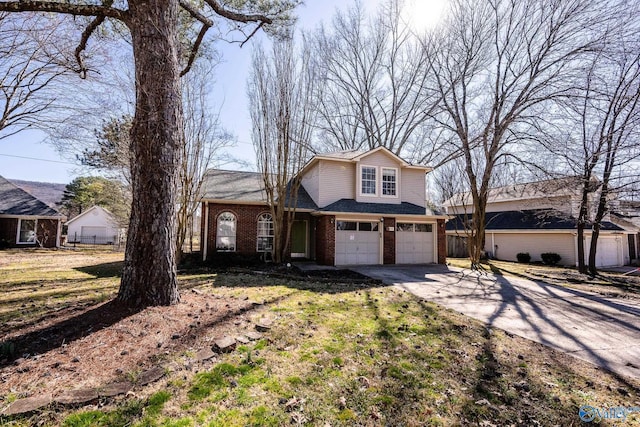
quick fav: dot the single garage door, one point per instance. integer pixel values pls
(414, 243)
(608, 252)
(357, 242)
(94, 234)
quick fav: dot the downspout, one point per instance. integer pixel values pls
(205, 237)
(59, 233)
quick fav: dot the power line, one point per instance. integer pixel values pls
(40, 160)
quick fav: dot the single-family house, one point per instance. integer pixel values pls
(26, 221)
(96, 226)
(535, 218)
(353, 207)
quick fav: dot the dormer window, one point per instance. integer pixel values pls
(368, 180)
(389, 180)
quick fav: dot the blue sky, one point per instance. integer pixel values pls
(18, 153)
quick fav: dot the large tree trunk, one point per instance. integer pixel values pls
(149, 276)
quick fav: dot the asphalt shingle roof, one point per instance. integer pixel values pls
(16, 201)
(239, 186)
(534, 219)
(352, 206)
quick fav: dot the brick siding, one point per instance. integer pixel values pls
(389, 239)
(326, 240)
(442, 242)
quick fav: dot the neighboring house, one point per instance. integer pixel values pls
(536, 218)
(353, 207)
(26, 221)
(95, 226)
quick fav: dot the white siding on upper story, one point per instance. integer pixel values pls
(413, 186)
(311, 182)
(380, 160)
(337, 181)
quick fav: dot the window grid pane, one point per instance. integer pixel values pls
(368, 180)
(265, 233)
(388, 182)
(226, 232)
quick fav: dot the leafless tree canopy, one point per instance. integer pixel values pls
(375, 81)
(281, 88)
(498, 65)
(28, 66)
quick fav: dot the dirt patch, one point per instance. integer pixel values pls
(91, 347)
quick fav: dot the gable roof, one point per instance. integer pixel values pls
(48, 192)
(352, 156)
(244, 187)
(546, 188)
(14, 201)
(91, 209)
(532, 219)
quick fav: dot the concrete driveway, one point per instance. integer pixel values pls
(604, 331)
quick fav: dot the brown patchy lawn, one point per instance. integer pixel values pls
(605, 283)
(337, 354)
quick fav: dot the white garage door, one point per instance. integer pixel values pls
(357, 242)
(414, 243)
(607, 254)
(99, 233)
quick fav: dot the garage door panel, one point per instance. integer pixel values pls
(414, 243)
(357, 247)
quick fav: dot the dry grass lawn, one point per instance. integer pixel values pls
(336, 354)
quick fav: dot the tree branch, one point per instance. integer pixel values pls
(238, 17)
(83, 43)
(63, 7)
(206, 24)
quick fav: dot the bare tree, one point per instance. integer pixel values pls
(281, 88)
(375, 82)
(27, 71)
(601, 124)
(149, 276)
(498, 64)
(204, 138)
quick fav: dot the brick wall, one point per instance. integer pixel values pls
(46, 231)
(389, 239)
(442, 243)
(326, 240)
(246, 226)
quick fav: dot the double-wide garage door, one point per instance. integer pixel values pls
(414, 243)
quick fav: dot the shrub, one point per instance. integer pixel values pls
(523, 257)
(550, 258)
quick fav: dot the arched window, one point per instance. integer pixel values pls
(265, 233)
(226, 232)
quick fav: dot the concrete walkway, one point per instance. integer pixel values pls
(603, 331)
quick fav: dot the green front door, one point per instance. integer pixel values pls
(299, 239)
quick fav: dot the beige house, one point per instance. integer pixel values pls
(353, 207)
(536, 218)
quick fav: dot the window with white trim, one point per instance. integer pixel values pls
(368, 180)
(389, 180)
(265, 233)
(226, 232)
(26, 231)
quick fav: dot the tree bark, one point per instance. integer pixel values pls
(149, 276)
